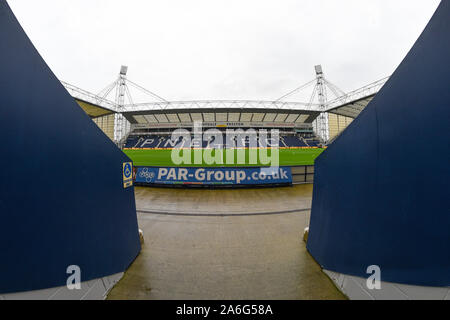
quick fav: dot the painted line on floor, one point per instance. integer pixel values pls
(206, 214)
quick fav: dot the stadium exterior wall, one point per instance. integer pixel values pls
(337, 124)
(106, 124)
(63, 201)
(373, 202)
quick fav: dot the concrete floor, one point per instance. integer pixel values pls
(237, 256)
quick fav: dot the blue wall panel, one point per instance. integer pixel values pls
(62, 200)
(382, 189)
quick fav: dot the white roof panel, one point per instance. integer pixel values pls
(281, 117)
(234, 117)
(270, 117)
(221, 117)
(150, 118)
(258, 117)
(246, 117)
(302, 118)
(140, 119)
(161, 118)
(173, 117)
(184, 117)
(291, 118)
(209, 117)
(196, 117)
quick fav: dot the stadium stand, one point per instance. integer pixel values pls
(167, 142)
(314, 143)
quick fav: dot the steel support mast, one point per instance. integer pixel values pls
(120, 101)
(321, 123)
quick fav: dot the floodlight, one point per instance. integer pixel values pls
(123, 70)
(318, 69)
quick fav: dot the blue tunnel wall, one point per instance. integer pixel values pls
(62, 199)
(382, 189)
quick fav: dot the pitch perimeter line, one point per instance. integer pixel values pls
(168, 213)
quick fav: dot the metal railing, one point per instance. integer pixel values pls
(361, 93)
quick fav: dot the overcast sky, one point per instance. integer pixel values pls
(223, 49)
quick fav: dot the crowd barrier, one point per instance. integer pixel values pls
(210, 176)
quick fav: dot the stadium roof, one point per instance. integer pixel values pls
(352, 109)
(92, 104)
(166, 112)
(93, 110)
(221, 111)
(351, 104)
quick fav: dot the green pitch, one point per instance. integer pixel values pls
(162, 158)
